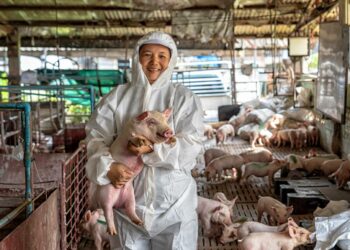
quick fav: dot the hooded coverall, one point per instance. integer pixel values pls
(165, 192)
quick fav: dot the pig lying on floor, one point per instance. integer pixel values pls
(238, 231)
(293, 236)
(144, 130)
(213, 214)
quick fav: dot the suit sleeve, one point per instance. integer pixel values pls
(99, 136)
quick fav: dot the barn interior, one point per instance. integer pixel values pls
(272, 78)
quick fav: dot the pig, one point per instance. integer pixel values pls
(252, 226)
(257, 155)
(219, 196)
(149, 126)
(313, 153)
(224, 162)
(313, 135)
(211, 213)
(224, 132)
(209, 131)
(330, 166)
(261, 136)
(229, 233)
(277, 212)
(275, 122)
(342, 175)
(310, 164)
(237, 231)
(237, 121)
(94, 224)
(296, 137)
(292, 237)
(212, 153)
(262, 169)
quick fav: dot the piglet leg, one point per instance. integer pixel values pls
(130, 205)
(108, 196)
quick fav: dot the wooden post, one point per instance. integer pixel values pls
(13, 54)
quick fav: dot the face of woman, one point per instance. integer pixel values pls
(154, 59)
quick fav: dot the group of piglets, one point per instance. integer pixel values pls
(277, 130)
(222, 131)
(217, 219)
(322, 164)
(136, 138)
(257, 162)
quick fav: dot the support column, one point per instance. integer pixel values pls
(13, 54)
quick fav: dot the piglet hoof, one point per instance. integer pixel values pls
(112, 231)
(138, 222)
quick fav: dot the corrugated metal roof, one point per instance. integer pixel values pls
(132, 18)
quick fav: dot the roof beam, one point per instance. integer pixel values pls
(313, 16)
(113, 42)
(24, 7)
(87, 23)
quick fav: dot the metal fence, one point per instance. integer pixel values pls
(74, 197)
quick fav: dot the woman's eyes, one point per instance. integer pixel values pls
(149, 55)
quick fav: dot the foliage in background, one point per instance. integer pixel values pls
(78, 113)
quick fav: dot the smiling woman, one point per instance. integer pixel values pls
(154, 59)
(164, 190)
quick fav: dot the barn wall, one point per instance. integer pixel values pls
(40, 231)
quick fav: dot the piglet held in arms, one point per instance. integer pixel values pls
(142, 131)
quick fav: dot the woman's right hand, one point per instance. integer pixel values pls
(119, 174)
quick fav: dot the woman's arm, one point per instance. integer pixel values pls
(100, 131)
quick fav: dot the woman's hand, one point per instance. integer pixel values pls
(119, 174)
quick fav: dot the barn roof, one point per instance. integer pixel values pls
(196, 24)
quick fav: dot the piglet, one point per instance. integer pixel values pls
(293, 236)
(212, 213)
(277, 212)
(224, 132)
(147, 128)
(220, 196)
(342, 175)
(94, 224)
(330, 166)
(239, 231)
(217, 165)
(209, 132)
(262, 169)
(212, 153)
(257, 155)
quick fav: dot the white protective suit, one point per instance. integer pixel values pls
(165, 192)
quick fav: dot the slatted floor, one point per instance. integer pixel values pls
(248, 194)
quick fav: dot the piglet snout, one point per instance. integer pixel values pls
(168, 133)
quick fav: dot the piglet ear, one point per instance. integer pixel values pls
(167, 113)
(87, 215)
(290, 209)
(291, 222)
(142, 116)
(292, 231)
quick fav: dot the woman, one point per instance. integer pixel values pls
(165, 192)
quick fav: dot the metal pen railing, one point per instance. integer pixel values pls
(28, 203)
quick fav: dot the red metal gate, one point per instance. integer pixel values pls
(74, 197)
